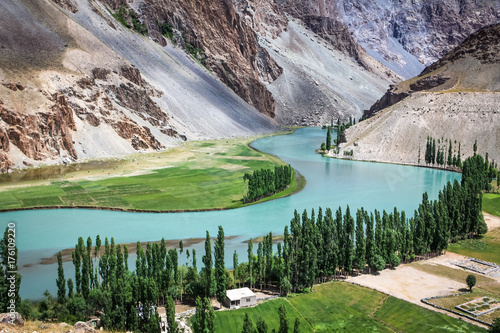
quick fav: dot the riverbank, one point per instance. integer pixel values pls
(197, 176)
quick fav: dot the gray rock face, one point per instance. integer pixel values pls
(12, 318)
(405, 35)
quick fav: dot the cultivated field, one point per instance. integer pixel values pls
(197, 176)
(337, 306)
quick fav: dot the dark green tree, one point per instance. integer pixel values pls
(220, 269)
(329, 138)
(296, 328)
(495, 328)
(261, 326)
(207, 261)
(70, 288)
(170, 313)
(360, 240)
(247, 324)
(210, 316)
(471, 281)
(250, 261)
(60, 281)
(283, 319)
(235, 267)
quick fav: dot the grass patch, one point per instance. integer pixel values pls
(483, 282)
(232, 321)
(340, 306)
(196, 176)
(452, 301)
(485, 248)
(491, 203)
(408, 317)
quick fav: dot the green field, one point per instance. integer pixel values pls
(491, 203)
(196, 176)
(340, 306)
(452, 301)
(408, 317)
(486, 247)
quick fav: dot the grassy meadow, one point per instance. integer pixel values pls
(196, 176)
(486, 247)
(491, 203)
(340, 306)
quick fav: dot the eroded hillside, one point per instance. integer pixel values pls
(455, 99)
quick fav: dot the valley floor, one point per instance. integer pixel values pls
(199, 175)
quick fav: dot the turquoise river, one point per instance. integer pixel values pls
(330, 183)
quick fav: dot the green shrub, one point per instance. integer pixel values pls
(119, 16)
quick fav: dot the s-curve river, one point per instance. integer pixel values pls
(330, 183)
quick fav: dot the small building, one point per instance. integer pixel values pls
(239, 298)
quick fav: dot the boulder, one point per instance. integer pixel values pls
(13, 318)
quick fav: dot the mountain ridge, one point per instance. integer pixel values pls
(455, 99)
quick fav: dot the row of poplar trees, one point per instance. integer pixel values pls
(128, 299)
(319, 247)
(315, 248)
(266, 182)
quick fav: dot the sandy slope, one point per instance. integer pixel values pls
(397, 133)
(318, 82)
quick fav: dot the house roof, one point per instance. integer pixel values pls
(236, 294)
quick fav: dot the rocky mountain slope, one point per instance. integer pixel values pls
(405, 35)
(99, 78)
(456, 99)
(79, 85)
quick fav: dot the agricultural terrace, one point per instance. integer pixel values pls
(342, 306)
(196, 176)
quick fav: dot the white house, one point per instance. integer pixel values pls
(238, 298)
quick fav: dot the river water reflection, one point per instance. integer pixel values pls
(330, 183)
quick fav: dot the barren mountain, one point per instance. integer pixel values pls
(87, 79)
(455, 99)
(405, 35)
(77, 84)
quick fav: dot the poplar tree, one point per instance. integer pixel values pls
(247, 324)
(170, 313)
(261, 326)
(220, 269)
(360, 240)
(60, 281)
(283, 319)
(328, 139)
(235, 267)
(207, 260)
(250, 261)
(348, 240)
(296, 326)
(210, 315)
(70, 288)
(181, 249)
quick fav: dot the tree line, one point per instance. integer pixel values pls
(266, 182)
(436, 154)
(315, 248)
(341, 128)
(318, 247)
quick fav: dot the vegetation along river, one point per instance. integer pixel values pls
(330, 183)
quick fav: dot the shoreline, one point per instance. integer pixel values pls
(299, 179)
(301, 183)
(386, 162)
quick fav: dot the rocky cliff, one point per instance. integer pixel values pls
(214, 33)
(405, 35)
(70, 91)
(471, 66)
(455, 99)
